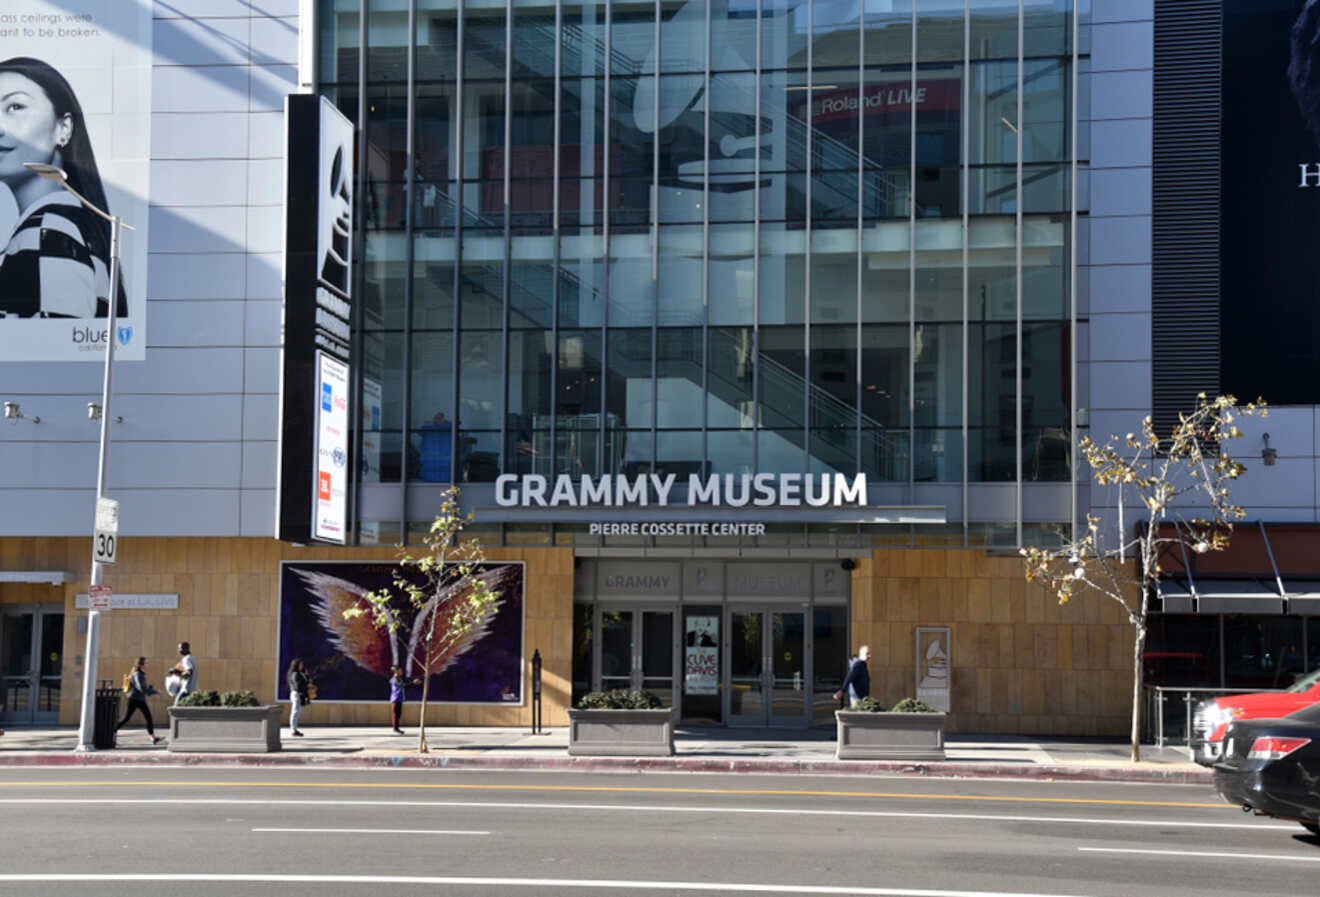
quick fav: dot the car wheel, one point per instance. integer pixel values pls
(1312, 827)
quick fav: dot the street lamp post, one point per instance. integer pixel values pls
(86, 721)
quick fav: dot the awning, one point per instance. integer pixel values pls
(50, 577)
(1222, 596)
(1176, 596)
(1238, 596)
(1303, 597)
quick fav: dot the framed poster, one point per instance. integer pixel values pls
(701, 655)
(934, 676)
(350, 659)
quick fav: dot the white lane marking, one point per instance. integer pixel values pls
(614, 884)
(374, 831)
(642, 808)
(1207, 853)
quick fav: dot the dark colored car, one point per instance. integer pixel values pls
(1272, 766)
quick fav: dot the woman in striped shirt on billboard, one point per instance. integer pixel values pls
(56, 259)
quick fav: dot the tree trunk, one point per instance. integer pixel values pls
(421, 713)
(1138, 645)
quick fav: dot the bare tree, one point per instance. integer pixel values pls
(1181, 485)
(444, 598)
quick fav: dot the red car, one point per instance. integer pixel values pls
(1213, 716)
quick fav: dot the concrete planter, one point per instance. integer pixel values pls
(235, 730)
(889, 736)
(621, 733)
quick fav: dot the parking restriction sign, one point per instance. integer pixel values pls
(98, 597)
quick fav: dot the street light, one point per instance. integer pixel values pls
(87, 719)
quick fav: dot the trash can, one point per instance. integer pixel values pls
(107, 714)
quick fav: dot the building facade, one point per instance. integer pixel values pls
(616, 267)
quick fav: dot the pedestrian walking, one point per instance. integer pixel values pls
(857, 682)
(186, 670)
(397, 685)
(299, 686)
(138, 691)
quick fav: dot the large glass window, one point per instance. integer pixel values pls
(670, 254)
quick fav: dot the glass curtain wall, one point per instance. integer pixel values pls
(699, 236)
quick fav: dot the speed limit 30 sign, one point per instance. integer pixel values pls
(104, 544)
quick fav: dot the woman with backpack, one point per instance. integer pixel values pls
(138, 690)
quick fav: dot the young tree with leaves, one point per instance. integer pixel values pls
(443, 598)
(1182, 482)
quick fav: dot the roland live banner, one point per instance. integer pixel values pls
(1270, 213)
(75, 80)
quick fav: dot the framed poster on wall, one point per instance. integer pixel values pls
(934, 674)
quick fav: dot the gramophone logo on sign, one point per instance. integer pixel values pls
(75, 76)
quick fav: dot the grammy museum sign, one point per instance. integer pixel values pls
(762, 490)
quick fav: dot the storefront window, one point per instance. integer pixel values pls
(1262, 652)
(830, 645)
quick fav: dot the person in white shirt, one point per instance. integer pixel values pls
(187, 670)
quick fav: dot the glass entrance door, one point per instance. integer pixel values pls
(768, 667)
(31, 645)
(637, 650)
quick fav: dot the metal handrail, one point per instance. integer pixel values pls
(1155, 704)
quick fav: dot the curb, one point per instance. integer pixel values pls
(1170, 775)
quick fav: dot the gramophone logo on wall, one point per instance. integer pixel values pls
(335, 182)
(732, 121)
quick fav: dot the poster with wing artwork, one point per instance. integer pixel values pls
(350, 659)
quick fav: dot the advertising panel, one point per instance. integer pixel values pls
(331, 485)
(1270, 177)
(318, 280)
(350, 660)
(701, 656)
(76, 78)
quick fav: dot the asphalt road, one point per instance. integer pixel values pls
(307, 831)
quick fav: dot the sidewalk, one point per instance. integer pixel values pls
(697, 750)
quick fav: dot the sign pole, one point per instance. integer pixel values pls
(87, 719)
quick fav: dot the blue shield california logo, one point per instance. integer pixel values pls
(125, 334)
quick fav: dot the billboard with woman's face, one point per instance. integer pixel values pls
(75, 94)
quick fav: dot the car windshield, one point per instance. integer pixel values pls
(1305, 682)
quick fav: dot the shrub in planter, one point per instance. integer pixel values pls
(911, 730)
(621, 723)
(620, 700)
(212, 698)
(912, 705)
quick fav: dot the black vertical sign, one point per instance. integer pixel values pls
(318, 239)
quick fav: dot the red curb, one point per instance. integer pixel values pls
(938, 769)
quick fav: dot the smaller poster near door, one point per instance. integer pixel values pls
(933, 678)
(701, 655)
